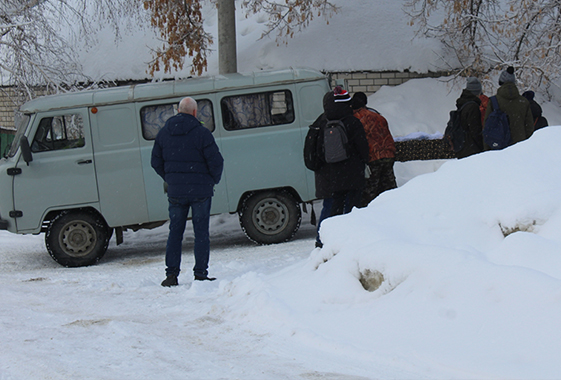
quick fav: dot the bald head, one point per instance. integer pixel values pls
(188, 105)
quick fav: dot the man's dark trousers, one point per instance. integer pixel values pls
(178, 213)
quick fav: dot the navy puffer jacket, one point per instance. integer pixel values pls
(186, 156)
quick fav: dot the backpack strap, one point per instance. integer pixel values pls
(495, 102)
(465, 104)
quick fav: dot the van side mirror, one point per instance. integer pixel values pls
(25, 150)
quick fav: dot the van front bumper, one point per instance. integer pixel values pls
(4, 224)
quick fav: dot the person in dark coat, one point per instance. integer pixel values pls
(340, 184)
(515, 106)
(539, 120)
(470, 118)
(186, 156)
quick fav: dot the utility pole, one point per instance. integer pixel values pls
(227, 55)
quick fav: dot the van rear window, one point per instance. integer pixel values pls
(153, 118)
(257, 110)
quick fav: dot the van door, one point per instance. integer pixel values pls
(118, 166)
(62, 173)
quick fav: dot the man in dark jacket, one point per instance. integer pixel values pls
(515, 106)
(470, 118)
(186, 156)
(341, 183)
(539, 120)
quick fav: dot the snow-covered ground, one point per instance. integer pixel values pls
(457, 299)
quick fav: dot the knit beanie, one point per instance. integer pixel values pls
(529, 95)
(341, 95)
(474, 86)
(337, 103)
(359, 100)
(507, 76)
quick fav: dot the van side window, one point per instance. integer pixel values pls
(59, 132)
(257, 110)
(153, 118)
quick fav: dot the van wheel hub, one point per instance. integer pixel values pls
(78, 239)
(270, 216)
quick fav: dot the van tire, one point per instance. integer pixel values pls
(77, 238)
(270, 217)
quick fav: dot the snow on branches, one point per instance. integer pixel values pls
(488, 35)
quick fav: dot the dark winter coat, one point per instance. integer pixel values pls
(539, 120)
(470, 119)
(186, 156)
(349, 174)
(518, 110)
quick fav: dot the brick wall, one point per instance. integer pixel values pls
(7, 108)
(9, 103)
(371, 81)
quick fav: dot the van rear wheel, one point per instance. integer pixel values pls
(270, 217)
(77, 238)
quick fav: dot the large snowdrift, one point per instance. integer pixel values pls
(459, 268)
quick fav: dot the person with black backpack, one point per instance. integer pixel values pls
(516, 108)
(339, 181)
(470, 140)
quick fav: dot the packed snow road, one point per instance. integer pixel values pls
(114, 320)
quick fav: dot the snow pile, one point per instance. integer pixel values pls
(458, 269)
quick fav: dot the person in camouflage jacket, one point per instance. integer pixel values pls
(381, 149)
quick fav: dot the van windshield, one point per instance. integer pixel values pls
(22, 121)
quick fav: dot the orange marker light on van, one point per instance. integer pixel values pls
(94, 110)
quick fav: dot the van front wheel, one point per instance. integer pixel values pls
(270, 217)
(77, 238)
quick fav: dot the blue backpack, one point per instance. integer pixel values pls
(496, 133)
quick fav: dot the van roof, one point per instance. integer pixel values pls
(169, 89)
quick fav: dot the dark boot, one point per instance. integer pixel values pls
(204, 278)
(170, 280)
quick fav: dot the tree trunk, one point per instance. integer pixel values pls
(227, 58)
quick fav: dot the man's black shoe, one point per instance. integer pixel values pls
(204, 278)
(170, 281)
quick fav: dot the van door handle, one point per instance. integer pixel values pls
(84, 162)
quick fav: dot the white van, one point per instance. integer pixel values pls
(79, 166)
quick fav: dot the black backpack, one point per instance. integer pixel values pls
(496, 132)
(455, 134)
(335, 142)
(313, 149)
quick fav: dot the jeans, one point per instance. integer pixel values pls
(178, 213)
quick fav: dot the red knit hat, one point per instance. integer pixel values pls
(341, 95)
